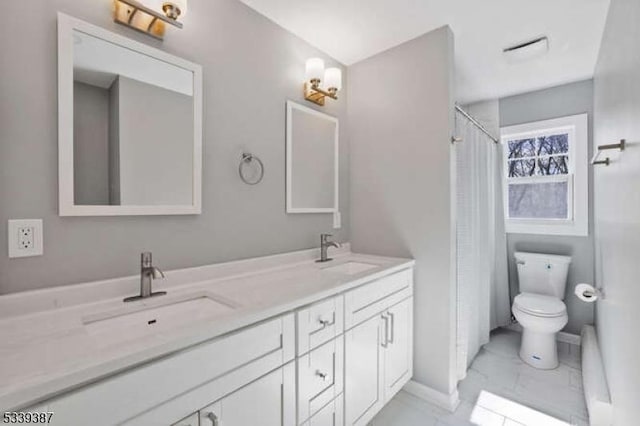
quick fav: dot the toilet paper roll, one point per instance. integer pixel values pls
(586, 293)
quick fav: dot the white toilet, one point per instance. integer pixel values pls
(539, 307)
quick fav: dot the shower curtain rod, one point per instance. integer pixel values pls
(476, 123)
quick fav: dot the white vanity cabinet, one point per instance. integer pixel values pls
(378, 348)
(334, 362)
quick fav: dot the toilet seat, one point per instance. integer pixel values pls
(540, 305)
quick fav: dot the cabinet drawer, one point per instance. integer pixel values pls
(319, 323)
(268, 401)
(331, 414)
(320, 377)
(142, 389)
(372, 298)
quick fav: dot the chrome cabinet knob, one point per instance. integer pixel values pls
(323, 376)
(213, 418)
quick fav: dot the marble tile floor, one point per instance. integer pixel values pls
(498, 371)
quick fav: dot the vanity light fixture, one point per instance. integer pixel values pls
(314, 74)
(151, 17)
(174, 9)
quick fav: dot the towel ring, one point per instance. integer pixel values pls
(248, 158)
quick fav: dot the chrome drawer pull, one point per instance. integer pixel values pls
(393, 326)
(322, 375)
(324, 322)
(385, 342)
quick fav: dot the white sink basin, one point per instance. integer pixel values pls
(350, 268)
(153, 317)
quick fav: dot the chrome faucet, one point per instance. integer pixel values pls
(148, 273)
(325, 243)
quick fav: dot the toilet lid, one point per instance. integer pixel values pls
(540, 305)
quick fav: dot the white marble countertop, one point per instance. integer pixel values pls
(46, 350)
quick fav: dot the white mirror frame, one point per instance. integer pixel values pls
(66, 26)
(290, 208)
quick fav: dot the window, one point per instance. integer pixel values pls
(545, 176)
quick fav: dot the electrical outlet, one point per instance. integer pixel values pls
(25, 238)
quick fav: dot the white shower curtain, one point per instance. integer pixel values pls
(483, 288)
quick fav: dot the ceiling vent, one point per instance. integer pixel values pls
(527, 50)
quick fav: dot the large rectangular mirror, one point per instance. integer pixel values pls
(312, 160)
(130, 126)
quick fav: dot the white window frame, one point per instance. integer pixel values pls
(577, 223)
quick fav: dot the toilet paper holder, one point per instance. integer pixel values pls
(598, 292)
(589, 293)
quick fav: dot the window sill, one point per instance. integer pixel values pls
(569, 228)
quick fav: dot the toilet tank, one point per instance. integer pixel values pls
(542, 273)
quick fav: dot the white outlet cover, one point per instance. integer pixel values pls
(25, 237)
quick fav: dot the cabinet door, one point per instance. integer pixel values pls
(398, 353)
(364, 392)
(269, 401)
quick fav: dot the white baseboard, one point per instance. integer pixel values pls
(572, 339)
(449, 402)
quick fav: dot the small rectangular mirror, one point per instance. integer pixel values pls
(130, 126)
(312, 160)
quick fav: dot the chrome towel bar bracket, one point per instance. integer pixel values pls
(619, 146)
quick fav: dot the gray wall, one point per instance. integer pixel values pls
(617, 208)
(400, 123)
(90, 144)
(154, 122)
(251, 67)
(569, 99)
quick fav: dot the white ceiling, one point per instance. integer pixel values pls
(352, 30)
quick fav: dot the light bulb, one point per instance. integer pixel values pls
(314, 69)
(333, 78)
